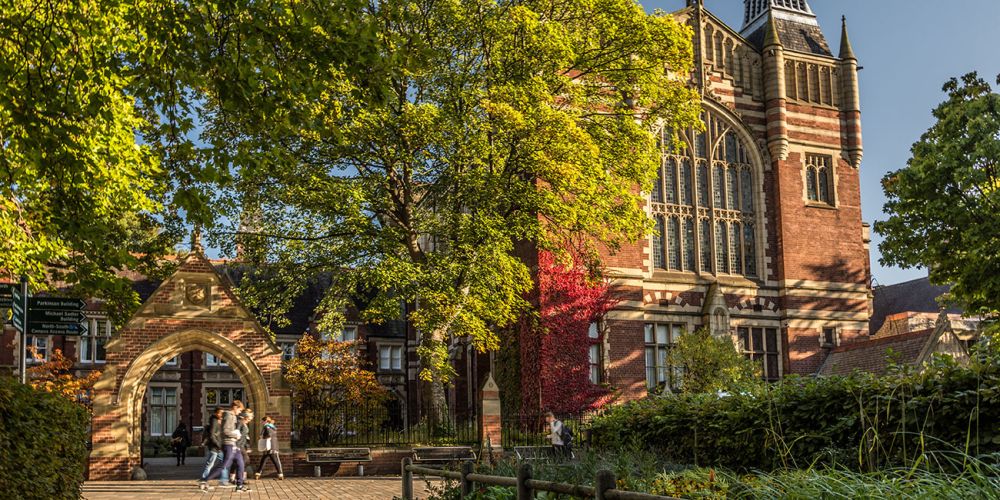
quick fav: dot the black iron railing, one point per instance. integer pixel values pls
(533, 430)
(379, 427)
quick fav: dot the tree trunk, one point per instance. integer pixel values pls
(435, 361)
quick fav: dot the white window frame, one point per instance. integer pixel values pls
(97, 328)
(167, 429)
(174, 361)
(349, 333)
(287, 350)
(213, 361)
(595, 353)
(390, 348)
(32, 341)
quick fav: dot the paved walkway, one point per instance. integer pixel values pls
(348, 488)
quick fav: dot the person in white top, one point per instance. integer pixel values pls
(557, 435)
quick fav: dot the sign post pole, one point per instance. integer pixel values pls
(24, 329)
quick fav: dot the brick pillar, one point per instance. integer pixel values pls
(489, 417)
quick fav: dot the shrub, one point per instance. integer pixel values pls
(43, 443)
(861, 421)
(712, 364)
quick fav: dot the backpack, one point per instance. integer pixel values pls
(566, 434)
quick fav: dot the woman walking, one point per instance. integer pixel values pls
(268, 446)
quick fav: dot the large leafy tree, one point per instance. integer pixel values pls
(469, 131)
(100, 165)
(945, 205)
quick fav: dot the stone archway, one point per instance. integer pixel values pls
(194, 309)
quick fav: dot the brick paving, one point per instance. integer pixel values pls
(361, 488)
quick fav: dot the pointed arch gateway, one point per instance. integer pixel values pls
(193, 309)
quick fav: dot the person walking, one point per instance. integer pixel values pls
(243, 443)
(179, 441)
(267, 445)
(230, 435)
(213, 443)
(560, 436)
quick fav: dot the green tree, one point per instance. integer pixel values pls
(709, 364)
(945, 205)
(96, 153)
(467, 130)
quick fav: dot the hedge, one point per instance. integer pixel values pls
(43, 443)
(861, 421)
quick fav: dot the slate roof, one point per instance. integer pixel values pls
(873, 355)
(796, 36)
(918, 295)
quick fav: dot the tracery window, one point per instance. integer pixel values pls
(704, 203)
(819, 175)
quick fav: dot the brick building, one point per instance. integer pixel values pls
(759, 230)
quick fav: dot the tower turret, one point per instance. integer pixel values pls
(850, 101)
(774, 92)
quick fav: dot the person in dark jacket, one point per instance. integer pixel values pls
(213, 443)
(243, 443)
(230, 434)
(267, 445)
(179, 441)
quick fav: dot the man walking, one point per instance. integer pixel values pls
(213, 443)
(230, 434)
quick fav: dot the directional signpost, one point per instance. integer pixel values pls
(40, 316)
(53, 316)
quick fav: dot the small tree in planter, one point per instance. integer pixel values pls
(334, 393)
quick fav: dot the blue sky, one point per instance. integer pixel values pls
(908, 49)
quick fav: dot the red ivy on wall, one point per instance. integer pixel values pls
(555, 347)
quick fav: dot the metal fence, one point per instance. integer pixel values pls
(532, 430)
(377, 426)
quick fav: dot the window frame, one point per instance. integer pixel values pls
(703, 173)
(151, 408)
(217, 363)
(391, 347)
(754, 354)
(668, 372)
(31, 342)
(818, 167)
(595, 364)
(91, 339)
(834, 338)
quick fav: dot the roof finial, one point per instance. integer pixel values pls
(196, 239)
(846, 52)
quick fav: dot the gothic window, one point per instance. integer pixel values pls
(819, 175)
(705, 212)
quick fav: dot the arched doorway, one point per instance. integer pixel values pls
(194, 309)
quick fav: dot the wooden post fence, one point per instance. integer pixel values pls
(605, 484)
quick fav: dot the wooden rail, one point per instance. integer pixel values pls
(605, 485)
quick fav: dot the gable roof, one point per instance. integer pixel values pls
(913, 348)
(918, 295)
(796, 36)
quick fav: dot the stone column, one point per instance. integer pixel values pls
(490, 423)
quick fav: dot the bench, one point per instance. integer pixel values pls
(338, 455)
(443, 454)
(538, 453)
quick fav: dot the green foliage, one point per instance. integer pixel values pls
(462, 128)
(945, 205)
(861, 421)
(711, 364)
(642, 471)
(330, 384)
(43, 443)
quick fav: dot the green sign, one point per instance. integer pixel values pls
(56, 316)
(6, 295)
(46, 328)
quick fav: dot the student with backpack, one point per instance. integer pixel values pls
(560, 436)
